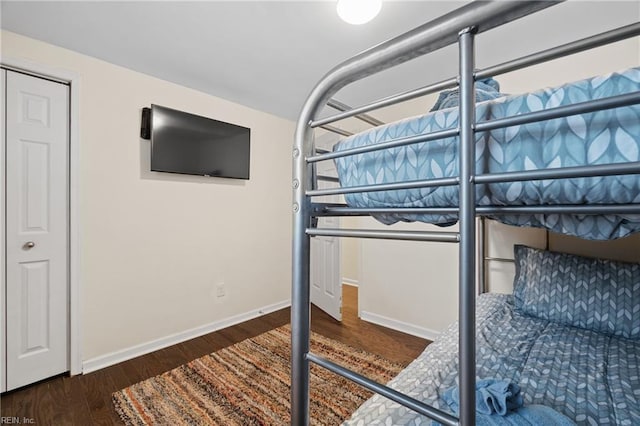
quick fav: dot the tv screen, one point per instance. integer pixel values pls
(196, 145)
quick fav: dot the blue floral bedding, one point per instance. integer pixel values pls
(591, 377)
(603, 137)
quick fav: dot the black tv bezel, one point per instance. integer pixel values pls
(147, 130)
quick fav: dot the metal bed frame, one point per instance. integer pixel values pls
(459, 26)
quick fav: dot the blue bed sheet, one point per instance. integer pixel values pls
(603, 137)
(592, 378)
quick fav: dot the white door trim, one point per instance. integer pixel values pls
(3, 334)
(73, 79)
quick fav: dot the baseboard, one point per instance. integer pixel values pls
(122, 355)
(349, 281)
(402, 326)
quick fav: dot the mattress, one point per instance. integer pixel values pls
(593, 378)
(602, 137)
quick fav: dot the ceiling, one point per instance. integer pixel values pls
(269, 54)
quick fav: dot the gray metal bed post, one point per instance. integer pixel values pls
(467, 221)
(481, 256)
(300, 299)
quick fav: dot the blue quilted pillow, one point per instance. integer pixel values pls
(594, 294)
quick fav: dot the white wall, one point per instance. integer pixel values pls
(413, 286)
(154, 245)
(408, 285)
(499, 242)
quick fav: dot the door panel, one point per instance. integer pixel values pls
(34, 311)
(37, 320)
(34, 212)
(326, 285)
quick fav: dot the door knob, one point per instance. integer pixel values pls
(29, 245)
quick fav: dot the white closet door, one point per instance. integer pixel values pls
(37, 321)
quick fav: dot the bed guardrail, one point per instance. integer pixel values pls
(392, 394)
(337, 130)
(485, 126)
(321, 210)
(335, 104)
(439, 237)
(571, 48)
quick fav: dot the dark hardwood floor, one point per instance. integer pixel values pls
(86, 399)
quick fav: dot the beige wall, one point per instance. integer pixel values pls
(406, 284)
(501, 238)
(153, 245)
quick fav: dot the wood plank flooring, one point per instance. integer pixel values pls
(86, 399)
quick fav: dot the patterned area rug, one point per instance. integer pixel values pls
(248, 384)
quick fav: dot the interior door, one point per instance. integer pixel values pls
(37, 314)
(326, 285)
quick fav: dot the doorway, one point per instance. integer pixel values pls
(35, 222)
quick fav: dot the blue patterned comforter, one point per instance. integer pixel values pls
(602, 137)
(593, 378)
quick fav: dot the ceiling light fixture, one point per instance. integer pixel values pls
(358, 12)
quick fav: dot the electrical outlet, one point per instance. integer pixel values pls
(221, 290)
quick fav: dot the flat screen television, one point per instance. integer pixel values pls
(195, 145)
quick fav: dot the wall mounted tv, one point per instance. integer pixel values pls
(195, 145)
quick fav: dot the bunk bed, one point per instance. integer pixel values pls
(442, 168)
